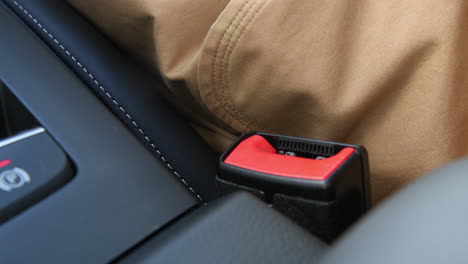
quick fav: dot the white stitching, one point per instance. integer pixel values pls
(111, 98)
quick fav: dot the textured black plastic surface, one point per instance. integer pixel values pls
(120, 194)
(236, 229)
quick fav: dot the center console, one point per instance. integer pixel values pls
(75, 184)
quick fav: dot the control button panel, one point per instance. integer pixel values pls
(32, 166)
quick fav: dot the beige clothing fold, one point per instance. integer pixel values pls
(390, 75)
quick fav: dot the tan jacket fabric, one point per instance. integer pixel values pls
(390, 75)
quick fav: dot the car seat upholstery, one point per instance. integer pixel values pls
(423, 223)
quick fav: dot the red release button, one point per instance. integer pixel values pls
(257, 154)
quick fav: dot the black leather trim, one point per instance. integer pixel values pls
(120, 193)
(126, 89)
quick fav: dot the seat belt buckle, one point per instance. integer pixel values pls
(323, 186)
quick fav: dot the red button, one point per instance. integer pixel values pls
(257, 154)
(4, 163)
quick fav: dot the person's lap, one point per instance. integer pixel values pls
(389, 75)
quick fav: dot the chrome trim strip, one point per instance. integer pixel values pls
(21, 136)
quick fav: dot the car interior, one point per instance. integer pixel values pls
(98, 167)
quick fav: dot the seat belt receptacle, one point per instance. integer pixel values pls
(321, 185)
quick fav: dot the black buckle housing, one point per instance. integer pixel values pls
(326, 206)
